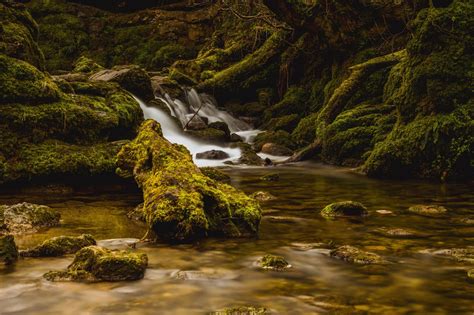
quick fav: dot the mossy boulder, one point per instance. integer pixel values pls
(428, 210)
(132, 78)
(209, 134)
(181, 203)
(94, 263)
(26, 218)
(59, 246)
(215, 174)
(276, 149)
(18, 34)
(343, 209)
(273, 262)
(20, 82)
(356, 256)
(248, 156)
(279, 137)
(262, 196)
(8, 250)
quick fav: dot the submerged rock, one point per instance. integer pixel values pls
(94, 263)
(459, 254)
(356, 256)
(344, 208)
(212, 155)
(273, 262)
(242, 310)
(428, 210)
(180, 202)
(470, 274)
(400, 233)
(215, 174)
(273, 177)
(276, 149)
(262, 196)
(8, 250)
(59, 246)
(26, 218)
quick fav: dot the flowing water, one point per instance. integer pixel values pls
(205, 107)
(222, 273)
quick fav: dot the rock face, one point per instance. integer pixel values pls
(99, 264)
(272, 262)
(276, 149)
(344, 208)
(428, 210)
(180, 203)
(8, 250)
(131, 78)
(356, 256)
(26, 218)
(212, 155)
(59, 246)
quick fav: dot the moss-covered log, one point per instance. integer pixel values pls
(180, 203)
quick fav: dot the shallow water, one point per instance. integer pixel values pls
(221, 273)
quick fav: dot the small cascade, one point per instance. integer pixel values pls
(174, 133)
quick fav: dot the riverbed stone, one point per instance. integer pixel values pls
(343, 209)
(276, 149)
(212, 155)
(356, 256)
(248, 156)
(273, 262)
(59, 246)
(428, 210)
(8, 250)
(215, 174)
(400, 233)
(272, 177)
(26, 217)
(458, 254)
(242, 310)
(262, 196)
(95, 263)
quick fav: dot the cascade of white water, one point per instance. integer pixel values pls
(173, 133)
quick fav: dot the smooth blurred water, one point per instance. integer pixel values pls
(222, 272)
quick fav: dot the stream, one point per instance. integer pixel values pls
(221, 273)
(216, 273)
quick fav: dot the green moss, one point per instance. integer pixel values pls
(180, 202)
(215, 174)
(294, 102)
(59, 246)
(210, 134)
(167, 55)
(22, 82)
(287, 123)
(99, 264)
(248, 156)
(356, 256)
(305, 131)
(18, 34)
(86, 65)
(273, 262)
(344, 208)
(8, 250)
(280, 137)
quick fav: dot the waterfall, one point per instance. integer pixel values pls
(174, 133)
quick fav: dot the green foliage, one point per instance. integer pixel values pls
(86, 65)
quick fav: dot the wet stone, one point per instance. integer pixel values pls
(356, 256)
(428, 210)
(212, 155)
(273, 262)
(343, 209)
(400, 233)
(271, 177)
(262, 196)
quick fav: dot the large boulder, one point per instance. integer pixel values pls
(95, 263)
(8, 250)
(131, 78)
(180, 203)
(26, 218)
(59, 246)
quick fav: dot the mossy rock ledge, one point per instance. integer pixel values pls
(26, 217)
(59, 246)
(93, 264)
(8, 250)
(181, 204)
(343, 209)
